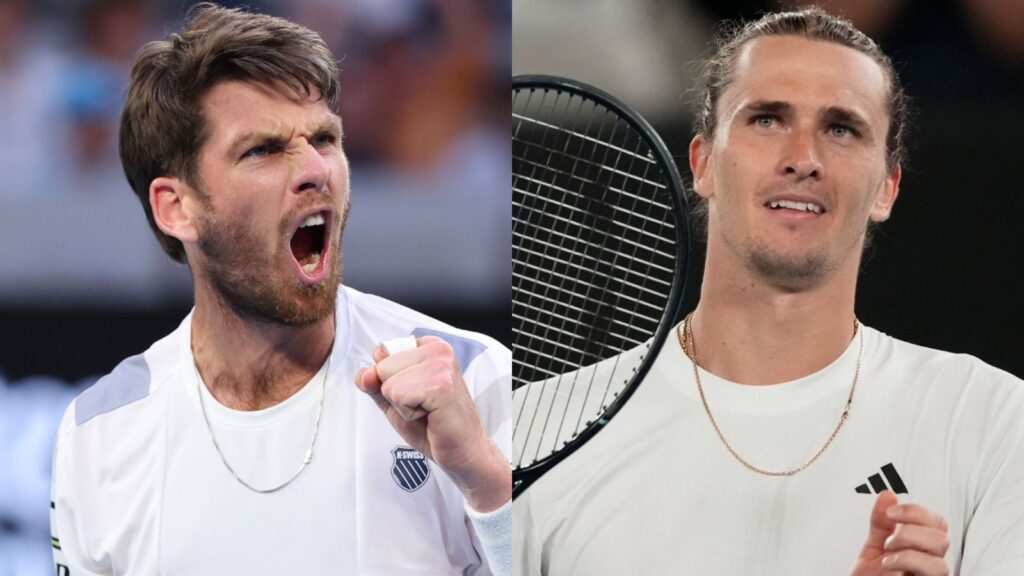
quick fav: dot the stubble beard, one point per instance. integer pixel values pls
(789, 272)
(796, 272)
(250, 282)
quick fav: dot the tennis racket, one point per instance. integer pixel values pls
(599, 256)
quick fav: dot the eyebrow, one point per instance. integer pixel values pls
(768, 107)
(840, 115)
(330, 124)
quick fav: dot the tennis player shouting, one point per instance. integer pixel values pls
(240, 443)
(770, 435)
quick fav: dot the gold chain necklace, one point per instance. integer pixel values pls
(685, 334)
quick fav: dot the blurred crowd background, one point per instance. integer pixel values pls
(84, 284)
(425, 103)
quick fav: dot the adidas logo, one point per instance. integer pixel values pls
(875, 480)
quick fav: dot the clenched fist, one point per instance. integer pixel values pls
(423, 396)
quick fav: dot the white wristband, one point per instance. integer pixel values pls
(494, 529)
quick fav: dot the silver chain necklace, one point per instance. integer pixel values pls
(309, 451)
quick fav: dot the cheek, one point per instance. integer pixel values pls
(869, 189)
(254, 222)
(342, 177)
(733, 177)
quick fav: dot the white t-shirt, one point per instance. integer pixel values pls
(138, 487)
(656, 491)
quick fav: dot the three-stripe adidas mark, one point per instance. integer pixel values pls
(875, 480)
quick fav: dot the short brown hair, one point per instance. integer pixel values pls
(812, 23)
(162, 126)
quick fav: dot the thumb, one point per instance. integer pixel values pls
(369, 383)
(881, 525)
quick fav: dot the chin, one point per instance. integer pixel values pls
(791, 272)
(287, 303)
(313, 303)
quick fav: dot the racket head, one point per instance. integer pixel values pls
(600, 253)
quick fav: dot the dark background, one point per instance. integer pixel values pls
(947, 270)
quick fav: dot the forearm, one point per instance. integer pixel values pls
(487, 485)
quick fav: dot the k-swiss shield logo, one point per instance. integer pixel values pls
(410, 469)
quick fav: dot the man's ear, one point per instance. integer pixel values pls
(173, 205)
(700, 154)
(890, 190)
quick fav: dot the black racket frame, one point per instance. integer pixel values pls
(524, 477)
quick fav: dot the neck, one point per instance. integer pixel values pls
(751, 332)
(249, 364)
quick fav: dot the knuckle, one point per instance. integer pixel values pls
(443, 381)
(399, 397)
(943, 543)
(389, 391)
(442, 347)
(451, 366)
(442, 365)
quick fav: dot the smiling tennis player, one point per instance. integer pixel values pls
(774, 433)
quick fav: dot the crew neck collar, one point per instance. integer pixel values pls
(768, 399)
(308, 394)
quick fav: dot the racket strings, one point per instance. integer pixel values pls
(595, 222)
(561, 288)
(527, 368)
(632, 156)
(619, 294)
(619, 274)
(590, 234)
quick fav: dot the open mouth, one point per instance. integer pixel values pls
(309, 243)
(795, 206)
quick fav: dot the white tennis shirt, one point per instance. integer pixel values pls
(138, 487)
(656, 492)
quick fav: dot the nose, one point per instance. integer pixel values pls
(313, 172)
(801, 158)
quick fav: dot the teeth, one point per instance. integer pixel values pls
(312, 264)
(313, 220)
(792, 205)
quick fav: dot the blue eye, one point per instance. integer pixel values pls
(841, 131)
(256, 151)
(326, 139)
(765, 121)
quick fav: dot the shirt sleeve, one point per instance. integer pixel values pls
(993, 541)
(65, 529)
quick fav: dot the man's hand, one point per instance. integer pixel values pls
(423, 395)
(903, 539)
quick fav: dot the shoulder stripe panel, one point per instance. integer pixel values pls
(127, 383)
(493, 402)
(466, 349)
